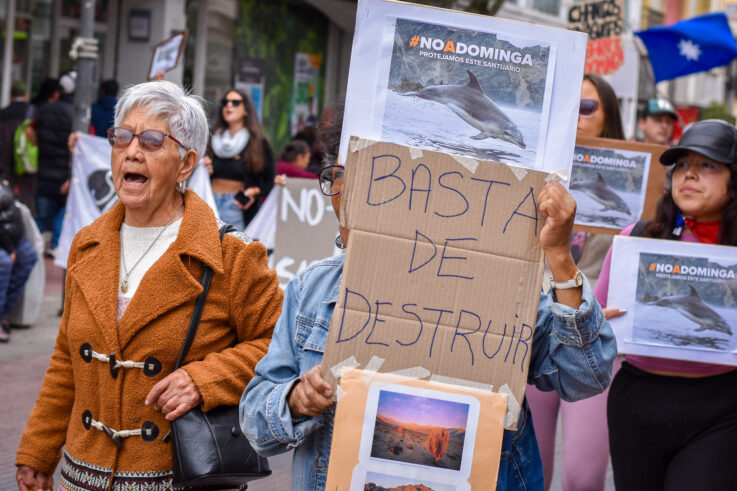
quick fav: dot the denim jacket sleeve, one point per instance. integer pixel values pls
(573, 350)
(264, 414)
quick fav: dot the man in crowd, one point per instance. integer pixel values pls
(656, 122)
(103, 110)
(51, 129)
(10, 118)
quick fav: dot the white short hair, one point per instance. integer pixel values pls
(171, 103)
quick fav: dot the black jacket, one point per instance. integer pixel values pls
(53, 126)
(10, 118)
(11, 224)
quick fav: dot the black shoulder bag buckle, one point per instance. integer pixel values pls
(210, 451)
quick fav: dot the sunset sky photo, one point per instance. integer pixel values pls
(424, 411)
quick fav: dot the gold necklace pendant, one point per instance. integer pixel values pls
(124, 286)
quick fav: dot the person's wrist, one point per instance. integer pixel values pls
(561, 265)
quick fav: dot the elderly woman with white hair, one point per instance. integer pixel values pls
(133, 276)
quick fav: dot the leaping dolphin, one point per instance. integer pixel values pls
(474, 107)
(693, 308)
(602, 194)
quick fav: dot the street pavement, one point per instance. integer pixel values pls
(23, 363)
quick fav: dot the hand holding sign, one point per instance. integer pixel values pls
(309, 396)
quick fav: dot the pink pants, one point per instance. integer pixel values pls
(585, 436)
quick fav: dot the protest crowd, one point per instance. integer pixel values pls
(506, 274)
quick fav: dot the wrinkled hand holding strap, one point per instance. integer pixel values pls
(209, 450)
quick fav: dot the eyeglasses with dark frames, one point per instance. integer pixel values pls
(331, 179)
(588, 107)
(149, 140)
(234, 102)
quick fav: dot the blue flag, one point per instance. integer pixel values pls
(689, 46)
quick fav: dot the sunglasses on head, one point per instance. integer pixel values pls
(235, 102)
(149, 140)
(588, 107)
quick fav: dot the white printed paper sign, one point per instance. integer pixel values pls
(609, 186)
(464, 84)
(681, 299)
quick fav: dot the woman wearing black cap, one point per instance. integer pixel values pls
(672, 423)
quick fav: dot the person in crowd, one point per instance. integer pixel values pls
(50, 130)
(673, 424)
(48, 92)
(293, 161)
(109, 393)
(657, 120)
(584, 422)
(17, 258)
(309, 134)
(103, 111)
(286, 405)
(242, 160)
(11, 116)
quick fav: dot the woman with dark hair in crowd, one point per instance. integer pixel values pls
(584, 422)
(294, 159)
(242, 160)
(672, 423)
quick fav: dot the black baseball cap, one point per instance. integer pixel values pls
(712, 138)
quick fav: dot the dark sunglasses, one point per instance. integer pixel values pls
(235, 102)
(331, 179)
(588, 107)
(149, 140)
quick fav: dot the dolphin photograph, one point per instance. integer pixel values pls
(609, 186)
(476, 94)
(694, 314)
(474, 107)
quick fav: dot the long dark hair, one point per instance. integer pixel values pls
(666, 214)
(610, 106)
(253, 156)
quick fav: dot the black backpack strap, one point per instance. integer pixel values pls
(200, 303)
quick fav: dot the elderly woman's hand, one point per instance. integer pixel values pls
(309, 396)
(174, 395)
(29, 479)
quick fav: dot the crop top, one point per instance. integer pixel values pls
(231, 168)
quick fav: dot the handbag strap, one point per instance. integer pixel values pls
(199, 303)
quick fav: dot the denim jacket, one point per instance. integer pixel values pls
(572, 353)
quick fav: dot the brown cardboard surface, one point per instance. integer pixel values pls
(456, 295)
(305, 227)
(349, 424)
(655, 179)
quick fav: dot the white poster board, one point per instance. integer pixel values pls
(681, 299)
(609, 185)
(464, 84)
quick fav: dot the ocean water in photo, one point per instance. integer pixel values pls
(664, 326)
(593, 213)
(433, 126)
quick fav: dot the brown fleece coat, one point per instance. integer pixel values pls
(243, 304)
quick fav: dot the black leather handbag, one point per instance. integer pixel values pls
(210, 451)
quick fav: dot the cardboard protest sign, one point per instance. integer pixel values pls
(615, 183)
(602, 20)
(167, 54)
(414, 435)
(306, 227)
(681, 299)
(443, 267)
(464, 84)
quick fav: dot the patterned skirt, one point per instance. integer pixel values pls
(77, 475)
